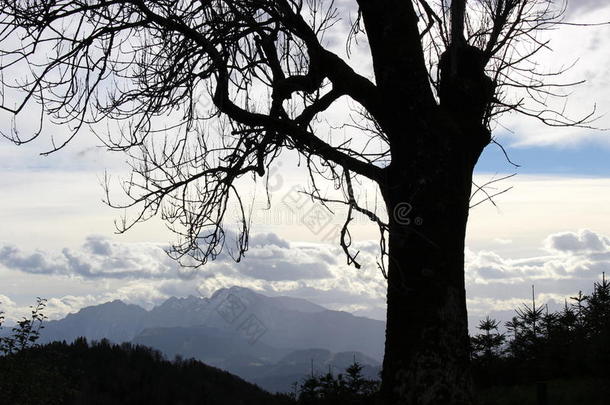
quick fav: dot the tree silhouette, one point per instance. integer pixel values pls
(598, 306)
(487, 346)
(27, 330)
(351, 388)
(354, 380)
(442, 72)
(598, 325)
(561, 345)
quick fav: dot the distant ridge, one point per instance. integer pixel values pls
(236, 329)
(291, 323)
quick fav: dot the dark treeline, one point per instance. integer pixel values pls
(349, 388)
(569, 349)
(541, 345)
(103, 373)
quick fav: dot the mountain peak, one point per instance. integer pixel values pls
(236, 290)
(179, 302)
(109, 305)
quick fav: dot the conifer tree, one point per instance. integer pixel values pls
(487, 346)
(597, 311)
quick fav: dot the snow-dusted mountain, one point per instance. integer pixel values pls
(280, 322)
(263, 339)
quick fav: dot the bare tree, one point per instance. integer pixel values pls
(442, 72)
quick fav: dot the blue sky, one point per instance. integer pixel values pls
(585, 159)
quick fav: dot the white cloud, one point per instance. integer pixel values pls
(36, 262)
(141, 273)
(97, 258)
(583, 6)
(577, 242)
(268, 258)
(7, 308)
(6, 301)
(496, 283)
(269, 239)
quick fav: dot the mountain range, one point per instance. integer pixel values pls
(270, 341)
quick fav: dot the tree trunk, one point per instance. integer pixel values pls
(434, 148)
(427, 349)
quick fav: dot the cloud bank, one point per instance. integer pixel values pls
(141, 273)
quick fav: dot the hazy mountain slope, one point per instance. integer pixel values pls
(295, 329)
(116, 321)
(281, 322)
(213, 346)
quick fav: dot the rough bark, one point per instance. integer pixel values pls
(427, 195)
(426, 356)
(427, 188)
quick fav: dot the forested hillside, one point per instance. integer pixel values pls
(102, 373)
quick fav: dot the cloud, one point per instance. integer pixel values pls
(7, 309)
(36, 262)
(141, 273)
(98, 245)
(269, 239)
(97, 258)
(577, 242)
(6, 301)
(269, 258)
(284, 270)
(573, 256)
(102, 258)
(583, 6)
(497, 284)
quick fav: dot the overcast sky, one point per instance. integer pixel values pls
(552, 229)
